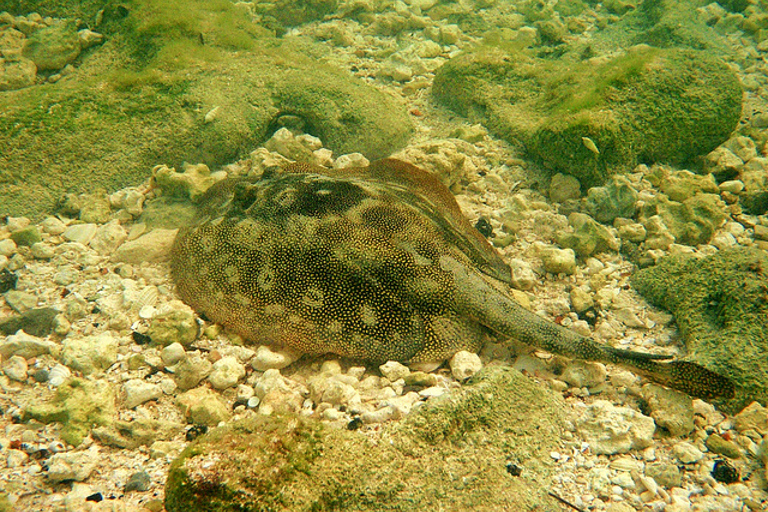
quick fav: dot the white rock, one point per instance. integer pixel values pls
(108, 238)
(599, 479)
(687, 453)
(393, 370)
(670, 409)
(17, 223)
(90, 353)
(381, 415)
(629, 318)
(26, 346)
(42, 251)
(465, 364)
(583, 374)
(268, 359)
(226, 373)
(89, 38)
(76, 466)
(15, 458)
(523, 276)
(152, 247)
(7, 247)
(404, 404)
(555, 260)
(16, 368)
(609, 429)
(138, 391)
(732, 186)
(275, 392)
(723, 241)
(80, 233)
(351, 160)
(339, 393)
(173, 354)
(433, 391)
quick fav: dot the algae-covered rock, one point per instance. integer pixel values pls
(591, 119)
(137, 432)
(588, 237)
(52, 48)
(79, 405)
(721, 308)
(691, 222)
(616, 199)
(176, 81)
(451, 453)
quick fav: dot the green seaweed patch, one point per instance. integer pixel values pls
(79, 405)
(721, 306)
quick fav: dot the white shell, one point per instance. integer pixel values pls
(58, 374)
(211, 114)
(146, 297)
(147, 312)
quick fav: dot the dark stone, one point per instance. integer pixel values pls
(724, 472)
(37, 322)
(7, 280)
(138, 482)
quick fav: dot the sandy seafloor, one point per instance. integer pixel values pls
(74, 277)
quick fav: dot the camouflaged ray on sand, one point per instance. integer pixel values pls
(372, 263)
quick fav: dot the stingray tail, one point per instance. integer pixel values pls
(493, 308)
(684, 376)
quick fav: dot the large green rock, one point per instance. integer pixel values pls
(150, 94)
(449, 454)
(721, 306)
(590, 119)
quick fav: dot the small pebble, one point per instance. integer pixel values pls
(464, 365)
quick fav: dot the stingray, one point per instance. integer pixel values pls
(376, 264)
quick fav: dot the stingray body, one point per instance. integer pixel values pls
(373, 263)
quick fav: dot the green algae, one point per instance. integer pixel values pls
(141, 98)
(79, 405)
(451, 453)
(721, 306)
(589, 119)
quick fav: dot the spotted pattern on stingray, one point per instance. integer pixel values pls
(373, 263)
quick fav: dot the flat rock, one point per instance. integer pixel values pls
(76, 466)
(26, 346)
(154, 246)
(609, 429)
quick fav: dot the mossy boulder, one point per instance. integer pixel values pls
(721, 306)
(79, 405)
(178, 81)
(451, 453)
(592, 119)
